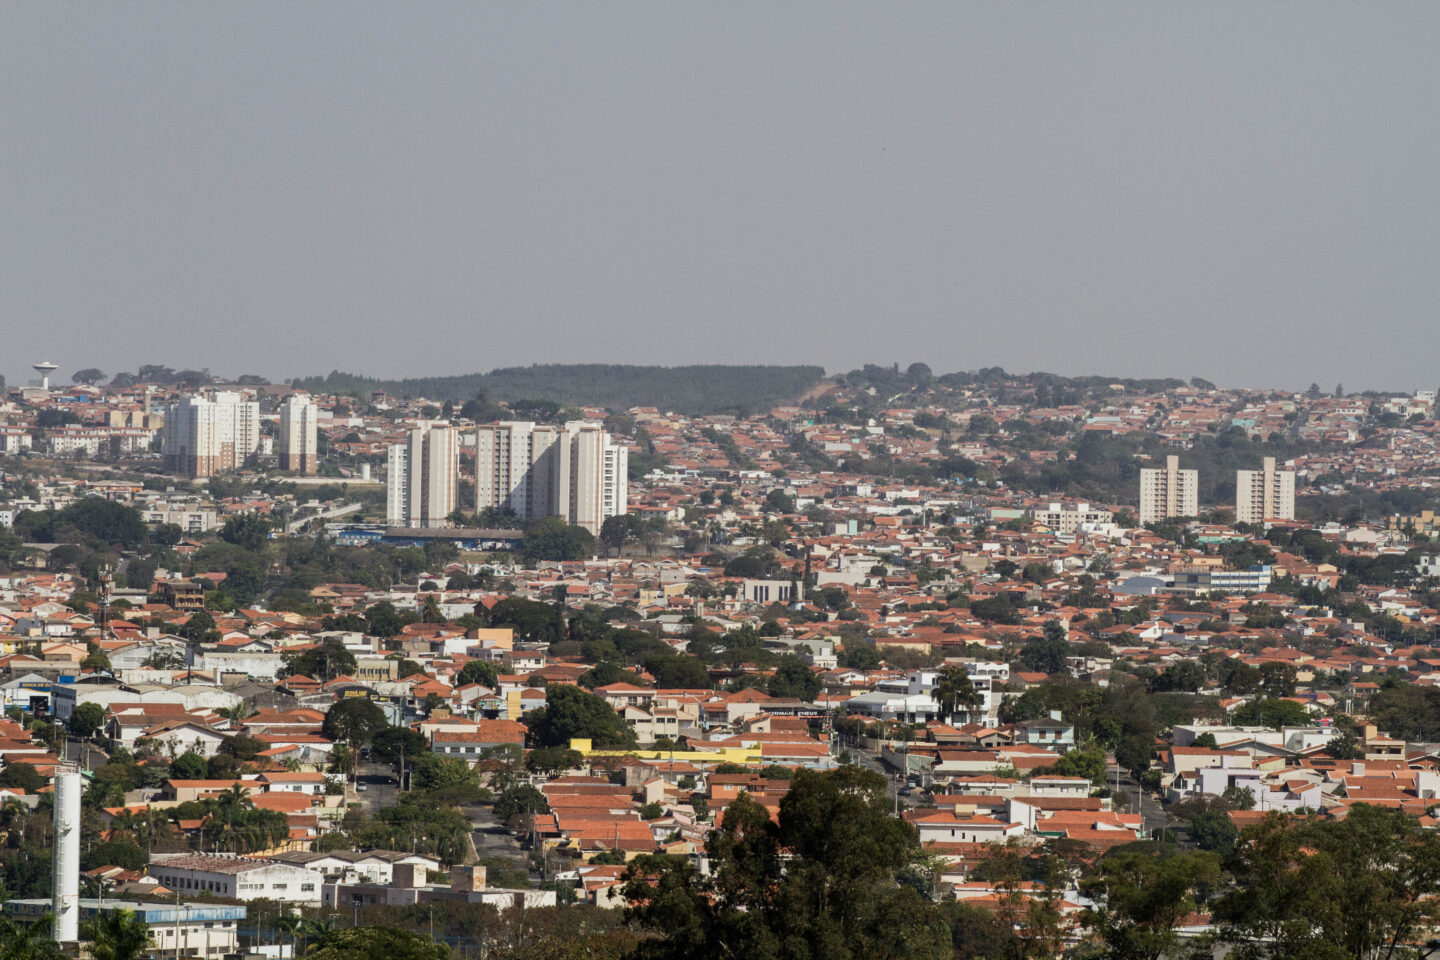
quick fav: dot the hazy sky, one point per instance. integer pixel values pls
(1244, 191)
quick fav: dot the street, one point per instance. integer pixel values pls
(1153, 815)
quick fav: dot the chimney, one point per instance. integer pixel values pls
(1358, 769)
(408, 876)
(467, 879)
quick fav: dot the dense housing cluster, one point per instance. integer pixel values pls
(979, 654)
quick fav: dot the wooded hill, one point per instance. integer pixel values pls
(700, 389)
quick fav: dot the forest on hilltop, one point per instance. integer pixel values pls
(699, 389)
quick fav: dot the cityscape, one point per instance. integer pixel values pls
(284, 664)
(719, 481)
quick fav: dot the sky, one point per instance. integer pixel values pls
(1243, 191)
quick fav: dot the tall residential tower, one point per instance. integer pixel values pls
(1170, 492)
(1264, 494)
(424, 472)
(298, 435)
(205, 436)
(538, 470)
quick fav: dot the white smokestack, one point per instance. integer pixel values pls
(66, 887)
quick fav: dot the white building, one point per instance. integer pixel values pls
(297, 443)
(1264, 494)
(424, 472)
(1067, 518)
(185, 930)
(1168, 492)
(538, 470)
(238, 878)
(203, 437)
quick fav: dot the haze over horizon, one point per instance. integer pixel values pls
(1241, 192)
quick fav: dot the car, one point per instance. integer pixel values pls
(904, 791)
(362, 787)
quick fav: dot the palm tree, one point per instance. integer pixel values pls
(288, 924)
(28, 941)
(954, 688)
(116, 935)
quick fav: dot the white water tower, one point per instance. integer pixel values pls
(65, 886)
(45, 368)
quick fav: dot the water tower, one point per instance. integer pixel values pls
(65, 883)
(45, 368)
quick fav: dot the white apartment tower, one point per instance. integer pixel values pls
(205, 436)
(298, 432)
(537, 470)
(1264, 494)
(1170, 492)
(424, 472)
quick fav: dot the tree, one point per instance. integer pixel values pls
(23, 775)
(1046, 655)
(87, 719)
(440, 773)
(375, 943)
(552, 761)
(249, 531)
(1143, 896)
(519, 801)
(394, 745)
(794, 679)
(116, 935)
(90, 376)
(678, 673)
(835, 895)
(1134, 753)
(29, 941)
(570, 713)
(354, 721)
(554, 539)
(954, 690)
(478, 671)
(1364, 886)
(188, 766)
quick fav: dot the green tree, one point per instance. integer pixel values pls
(552, 761)
(393, 745)
(29, 941)
(519, 801)
(116, 935)
(249, 531)
(354, 722)
(1142, 896)
(794, 679)
(954, 690)
(570, 713)
(478, 671)
(87, 719)
(375, 943)
(1365, 886)
(554, 539)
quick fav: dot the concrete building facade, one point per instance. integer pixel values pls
(1264, 494)
(423, 477)
(1168, 492)
(298, 431)
(204, 436)
(575, 471)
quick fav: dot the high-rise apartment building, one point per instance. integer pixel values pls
(538, 470)
(298, 433)
(1264, 494)
(209, 435)
(424, 472)
(1168, 492)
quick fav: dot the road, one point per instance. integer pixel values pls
(872, 761)
(381, 788)
(1153, 815)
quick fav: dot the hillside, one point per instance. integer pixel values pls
(700, 389)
